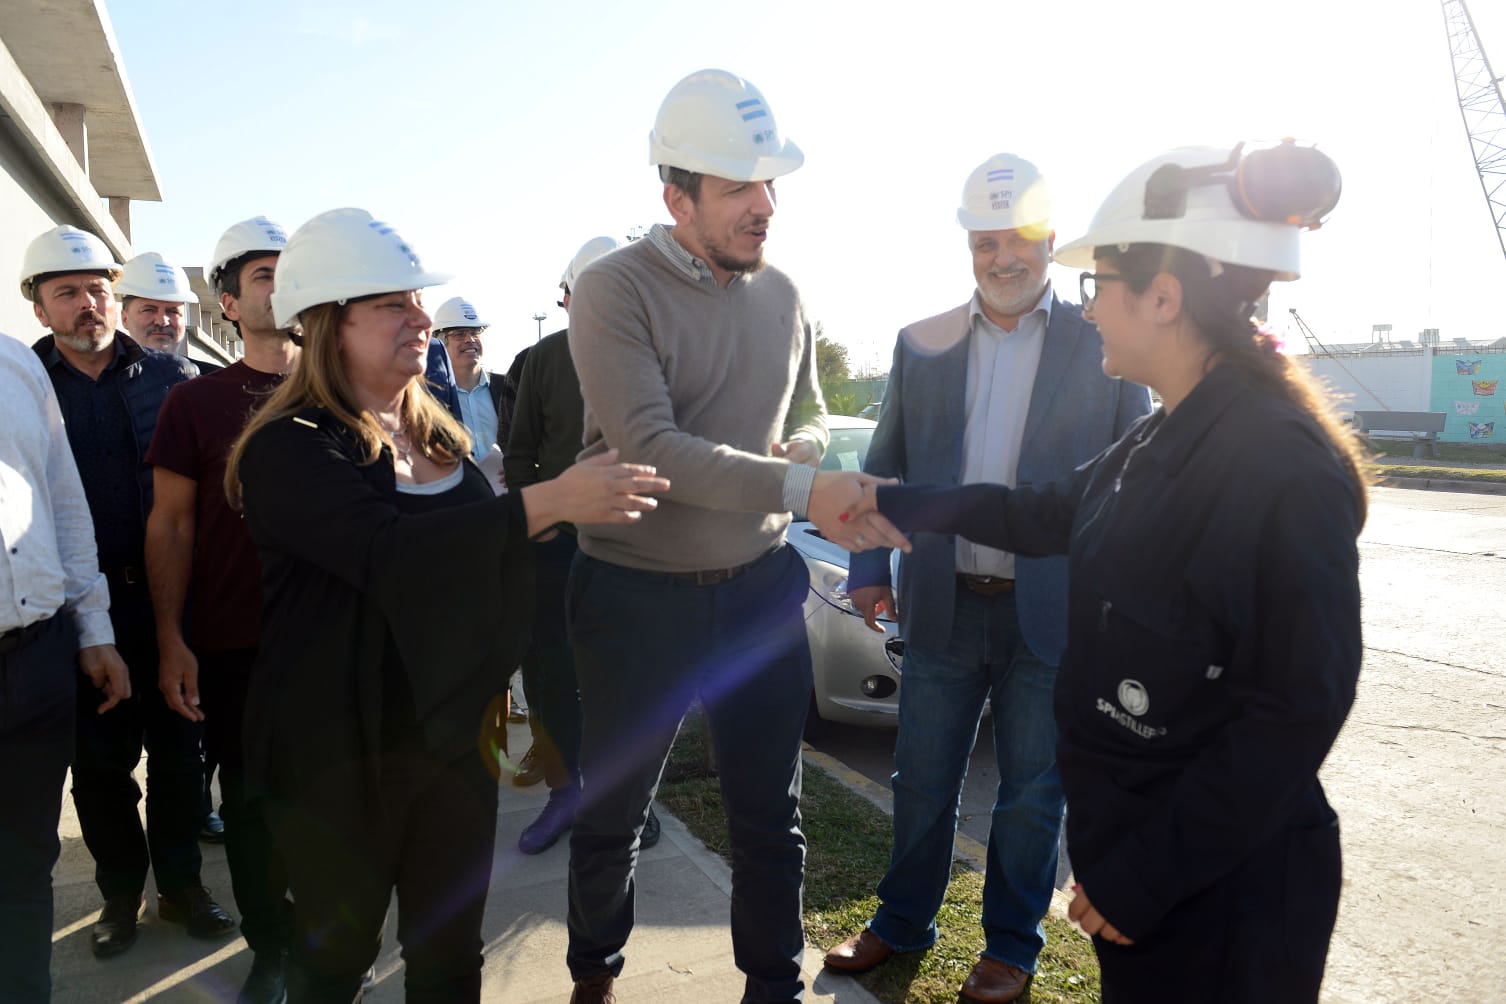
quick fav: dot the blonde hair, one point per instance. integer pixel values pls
(319, 381)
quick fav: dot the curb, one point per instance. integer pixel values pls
(966, 848)
(1444, 485)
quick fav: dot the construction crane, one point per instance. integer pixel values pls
(1484, 111)
(1317, 348)
(1314, 347)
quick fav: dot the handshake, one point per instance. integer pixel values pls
(844, 507)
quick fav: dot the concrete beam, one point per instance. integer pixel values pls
(67, 52)
(72, 122)
(120, 210)
(35, 127)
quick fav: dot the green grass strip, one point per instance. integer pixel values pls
(1483, 474)
(849, 840)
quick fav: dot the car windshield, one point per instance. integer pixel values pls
(847, 450)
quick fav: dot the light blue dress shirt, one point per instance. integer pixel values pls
(479, 415)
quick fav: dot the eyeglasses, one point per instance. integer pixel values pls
(1087, 285)
(460, 334)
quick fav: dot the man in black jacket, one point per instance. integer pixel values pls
(110, 390)
(544, 438)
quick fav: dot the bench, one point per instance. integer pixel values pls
(1421, 428)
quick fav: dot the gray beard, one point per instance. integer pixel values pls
(82, 344)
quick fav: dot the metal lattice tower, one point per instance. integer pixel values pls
(1484, 111)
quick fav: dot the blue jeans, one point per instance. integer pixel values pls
(941, 702)
(646, 644)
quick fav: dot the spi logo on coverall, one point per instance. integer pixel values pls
(1136, 701)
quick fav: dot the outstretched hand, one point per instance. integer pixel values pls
(598, 490)
(833, 499)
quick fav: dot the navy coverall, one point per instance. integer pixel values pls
(1212, 656)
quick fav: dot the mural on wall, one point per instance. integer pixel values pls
(1461, 384)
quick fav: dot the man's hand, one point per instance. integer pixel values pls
(833, 495)
(797, 451)
(1082, 914)
(107, 671)
(178, 679)
(870, 600)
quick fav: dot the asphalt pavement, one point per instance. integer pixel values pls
(1418, 775)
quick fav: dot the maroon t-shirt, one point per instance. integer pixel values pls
(199, 423)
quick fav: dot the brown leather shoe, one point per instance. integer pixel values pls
(594, 990)
(994, 982)
(859, 953)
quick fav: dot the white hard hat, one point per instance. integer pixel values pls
(1186, 198)
(716, 123)
(65, 249)
(149, 275)
(341, 255)
(457, 312)
(589, 252)
(1005, 192)
(246, 237)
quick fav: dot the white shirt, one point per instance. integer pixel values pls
(1001, 369)
(48, 559)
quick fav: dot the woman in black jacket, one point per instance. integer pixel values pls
(1214, 620)
(397, 592)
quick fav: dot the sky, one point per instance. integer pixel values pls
(497, 138)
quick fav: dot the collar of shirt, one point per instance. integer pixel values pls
(1174, 437)
(481, 384)
(975, 311)
(55, 357)
(693, 268)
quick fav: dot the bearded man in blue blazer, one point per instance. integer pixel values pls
(1007, 388)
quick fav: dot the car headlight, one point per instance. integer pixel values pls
(833, 589)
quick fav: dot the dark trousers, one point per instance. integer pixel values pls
(432, 843)
(646, 644)
(1261, 933)
(109, 747)
(549, 665)
(258, 875)
(37, 682)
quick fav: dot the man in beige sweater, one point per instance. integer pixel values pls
(696, 357)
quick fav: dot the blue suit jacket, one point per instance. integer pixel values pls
(1075, 413)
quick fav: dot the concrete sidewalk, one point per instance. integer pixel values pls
(680, 951)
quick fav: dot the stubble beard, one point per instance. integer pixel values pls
(85, 344)
(722, 259)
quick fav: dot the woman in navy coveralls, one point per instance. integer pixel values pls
(1214, 622)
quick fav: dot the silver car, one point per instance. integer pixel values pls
(857, 671)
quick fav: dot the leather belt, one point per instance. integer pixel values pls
(20, 637)
(130, 575)
(714, 576)
(985, 585)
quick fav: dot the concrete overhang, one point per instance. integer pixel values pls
(66, 49)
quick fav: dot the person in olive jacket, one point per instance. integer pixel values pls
(1214, 621)
(386, 558)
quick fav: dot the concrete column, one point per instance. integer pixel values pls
(120, 208)
(70, 120)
